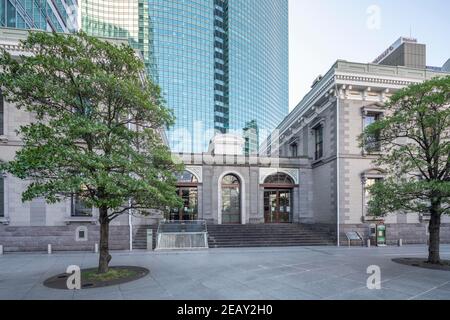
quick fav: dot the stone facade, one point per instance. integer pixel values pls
(327, 187)
(340, 101)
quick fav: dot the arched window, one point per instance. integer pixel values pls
(186, 177)
(278, 198)
(231, 200)
(187, 190)
(230, 180)
(279, 179)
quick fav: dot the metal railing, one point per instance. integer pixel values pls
(182, 235)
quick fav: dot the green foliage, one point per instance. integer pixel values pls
(415, 138)
(97, 127)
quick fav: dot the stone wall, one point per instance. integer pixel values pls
(62, 238)
(410, 233)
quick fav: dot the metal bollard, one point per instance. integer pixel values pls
(1, 249)
(368, 243)
(96, 248)
(149, 239)
(400, 242)
(49, 249)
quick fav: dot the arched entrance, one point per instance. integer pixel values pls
(187, 190)
(231, 199)
(278, 189)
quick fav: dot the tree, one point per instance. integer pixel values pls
(414, 135)
(97, 132)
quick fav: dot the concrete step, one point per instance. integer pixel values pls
(268, 235)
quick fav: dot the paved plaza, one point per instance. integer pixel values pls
(250, 274)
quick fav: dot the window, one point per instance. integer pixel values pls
(80, 208)
(369, 182)
(186, 177)
(2, 117)
(372, 143)
(81, 233)
(2, 196)
(187, 190)
(231, 200)
(294, 150)
(318, 138)
(279, 179)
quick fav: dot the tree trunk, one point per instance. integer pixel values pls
(434, 230)
(105, 257)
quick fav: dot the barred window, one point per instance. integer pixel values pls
(2, 196)
(318, 136)
(372, 142)
(2, 117)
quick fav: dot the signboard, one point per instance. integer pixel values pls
(353, 236)
(381, 235)
(392, 48)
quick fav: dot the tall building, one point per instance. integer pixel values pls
(126, 19)
(317, 178)
(405, 52)
(220, 63)
(55, 15)
(251, 138)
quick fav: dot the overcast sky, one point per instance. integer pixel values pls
(323, 31)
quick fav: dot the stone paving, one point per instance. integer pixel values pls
(238, 274)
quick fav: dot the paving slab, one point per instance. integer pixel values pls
(302, 273)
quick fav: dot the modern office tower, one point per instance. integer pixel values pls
(221, 65)
(405, 52)
(49, 15)
(126, 19)
(251, 138)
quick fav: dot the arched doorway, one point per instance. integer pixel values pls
(278, 189)
(187, 190)
(231, 200)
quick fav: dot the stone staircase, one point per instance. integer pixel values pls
(140, 237)
(268, 235)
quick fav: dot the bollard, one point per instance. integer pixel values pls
(400, 242)
(368, 243)
(149, 239)
(96, 248)
(1, 249)
(49, 249)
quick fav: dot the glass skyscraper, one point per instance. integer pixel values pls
(48, 15)
(222, 64)
(126, 19)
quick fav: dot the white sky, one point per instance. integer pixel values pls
(323, 31)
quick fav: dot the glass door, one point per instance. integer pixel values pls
(277, 206)
(189, 211)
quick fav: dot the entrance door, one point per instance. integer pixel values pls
(231, 200)
(189, 210)
(277, 206)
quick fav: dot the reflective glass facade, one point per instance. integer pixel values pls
(184, 56)
(126, 19)
(258, 66)
(49, 15)
(222, 64)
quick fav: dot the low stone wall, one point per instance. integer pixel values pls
(410, 233)
(62, 238)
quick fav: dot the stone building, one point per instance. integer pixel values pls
(325, 125)
(311, 173)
